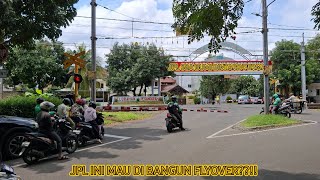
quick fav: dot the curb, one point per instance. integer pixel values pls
(274, 126)
(151, 108)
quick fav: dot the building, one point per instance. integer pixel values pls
(314, 92)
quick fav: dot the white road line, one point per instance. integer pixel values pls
(102, 144)
(115, 136)
(224, 129)
(312, 122)
(108, 135)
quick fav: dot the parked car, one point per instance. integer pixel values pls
(244, 99)
(256, 100)
(12, 130)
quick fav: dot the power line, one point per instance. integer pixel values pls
(165, 23)
(116, 11)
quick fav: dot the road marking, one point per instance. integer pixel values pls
(229, 135)
(115, 136)
(121, 138)
(224, 129)
(102, 144)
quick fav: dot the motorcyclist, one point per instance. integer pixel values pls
(276, 103)
(77, 111)
(175, 110)
(63, 111)
(46, 126)
(90, 116)
(37, 108)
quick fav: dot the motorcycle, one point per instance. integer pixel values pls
(171, 123)
(86, 130)
(284, 110)
(296, 107)
(7, 172)
(38, 146)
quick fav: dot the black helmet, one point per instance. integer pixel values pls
(66, 101)
(174, 98)
(40, 100)
(93, 105)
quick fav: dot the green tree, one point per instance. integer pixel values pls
(246, 85)
(42, 66)
(287, 64)
(133, 66)
(210, 86)
(22, 22)
(217, 19)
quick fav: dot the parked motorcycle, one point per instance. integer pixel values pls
(38, 146)
(296, 107)
(284, 110)
(7, 172)
(86, 130)
(171, 123)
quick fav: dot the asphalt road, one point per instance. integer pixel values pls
(289, 153)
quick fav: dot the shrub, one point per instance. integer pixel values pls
(196, 100)
(190, 97)
(22, 106)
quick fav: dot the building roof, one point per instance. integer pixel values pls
(173, 87)
(168, 79)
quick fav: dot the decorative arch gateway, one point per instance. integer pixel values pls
(243, 67)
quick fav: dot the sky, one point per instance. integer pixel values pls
(282, 15)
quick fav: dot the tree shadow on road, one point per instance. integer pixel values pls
(268, 174)
(52, 165)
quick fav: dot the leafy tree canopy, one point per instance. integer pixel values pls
(131, 66)
(217, 19)
(42, 66)
(24, 21)
(286, 59)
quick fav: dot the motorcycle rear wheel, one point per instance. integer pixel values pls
(169, 128)
(72, 144)
(29, 156)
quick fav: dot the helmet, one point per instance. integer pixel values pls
(93, 105)
(174, 98)
(40, 100)
(80, 102)
(84, 101)
(275, 96)
(66, 101)
(46, 105)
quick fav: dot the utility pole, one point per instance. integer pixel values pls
(265, 54)
(93, 49)
(303, 70)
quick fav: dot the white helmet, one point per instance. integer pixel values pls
(46, 105)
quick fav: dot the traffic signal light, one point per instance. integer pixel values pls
(77, 78)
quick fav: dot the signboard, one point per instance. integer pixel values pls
(136, 99)
(218, 67)
(3, 53)
(3, 73)
(74, 60)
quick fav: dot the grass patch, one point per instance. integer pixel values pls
(112, 117)
(267, 120)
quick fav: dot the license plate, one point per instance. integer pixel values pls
(76, 131)
(25, 144)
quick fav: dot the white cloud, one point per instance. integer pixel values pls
(295, 13)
